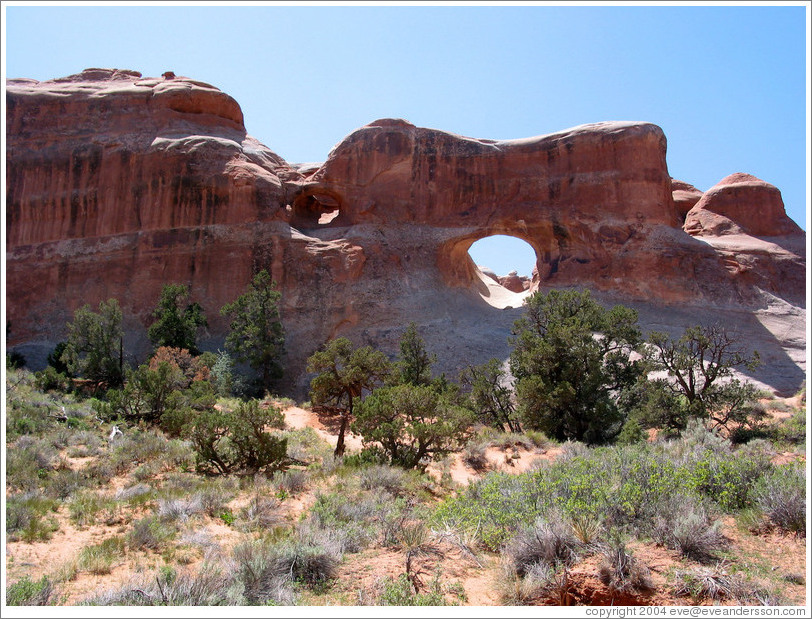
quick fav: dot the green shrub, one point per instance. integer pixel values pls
(645, 478)
(29, 517)
(27, 592)
(727, 480)
(658, 488)
(100, 558)
(495, 507)
(781, 494)
(229, 441)
(50, 379)
(22, 420)
(400, 592)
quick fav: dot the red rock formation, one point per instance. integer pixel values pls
(118, 184)
(391, 171)
(685, 196)
(107, 152)
(514, 283)
(740, 203)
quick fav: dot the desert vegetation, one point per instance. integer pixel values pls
(565, 476)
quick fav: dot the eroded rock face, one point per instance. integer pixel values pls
(108, 152)
(118, 184)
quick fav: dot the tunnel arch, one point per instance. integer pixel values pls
(460, 270)
(561, 252)
(503, 254)
(503, 286)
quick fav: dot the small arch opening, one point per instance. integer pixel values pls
(315, 208)
(507, 267)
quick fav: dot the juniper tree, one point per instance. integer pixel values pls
(491, 398)
(344, 375)
(176, 326)
(412, 423)
(256, 334)
(415, 362)
(95, 345)
(571, 361)
(700, 365)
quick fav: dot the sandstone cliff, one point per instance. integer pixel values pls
(117, 184)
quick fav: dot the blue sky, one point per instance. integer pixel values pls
(727, 84)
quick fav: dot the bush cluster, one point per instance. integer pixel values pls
(672, 491)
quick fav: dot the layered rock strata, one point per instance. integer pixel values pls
(118, 184)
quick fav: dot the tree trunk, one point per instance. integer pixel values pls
(341, 431)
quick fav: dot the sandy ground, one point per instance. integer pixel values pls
(325, 426)
(360, 576)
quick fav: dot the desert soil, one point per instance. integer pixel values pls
(361, 574)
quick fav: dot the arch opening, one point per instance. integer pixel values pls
(507, 266)
(314, 208)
